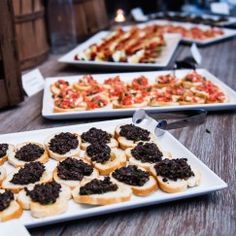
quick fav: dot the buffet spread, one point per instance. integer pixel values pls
(71, 172)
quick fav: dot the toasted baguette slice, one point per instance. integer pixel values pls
(199, 100)
(125, 143)
(13, 211)
(155, 103)
(10, 149)
(81, 107)
(80, 87)
(73, 183)
(142, 191)
(54, 89)
(6, 184)
(145, 165)
(3, 174)
(117, 105)
(19, 163)
(199, 93)
(59, 157)
(112, 144)
(122, 194)
(190, 84)
(60, 206)
(180, 185)
(38, 210)
(117, 160)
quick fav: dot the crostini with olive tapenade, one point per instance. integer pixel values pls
(27, 152)
(46, 199)
(62, 145)
(175, 175)
(101, 191)
(71, 171)
(136, 178)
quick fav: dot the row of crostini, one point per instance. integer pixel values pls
(87, 93)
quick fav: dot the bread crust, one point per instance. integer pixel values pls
(15, 188)
(3, 159)
(82, 107)
(180, 185)
(117, 105)
(60, 157)
(14, 210)
(117, 160)
(73, 183)
(123, 194)
(18, 163)
(154, 103)
(3, 174)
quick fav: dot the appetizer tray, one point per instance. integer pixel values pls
(206, 19)
(108, 111)
(172, 41)
(209, 181)
(227, 33)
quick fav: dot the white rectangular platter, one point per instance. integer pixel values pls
(230, 20)
(209, 180)
(47, 110)
(172, 41)
(228, 33)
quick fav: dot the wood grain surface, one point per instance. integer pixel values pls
(212, 214)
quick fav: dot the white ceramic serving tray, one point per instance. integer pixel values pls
(47, 110)
(230, 20)
(172, 41)
(228, 33)
(209, 180)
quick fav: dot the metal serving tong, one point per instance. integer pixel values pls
(186, 63)
(159, 125)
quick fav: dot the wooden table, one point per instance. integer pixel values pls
(212, 214)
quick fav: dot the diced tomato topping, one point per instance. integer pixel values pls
(140, 83)
(93, 90)
(96, 102)
(194, 77)
(87, 80)
(166, 79)
(114, 81)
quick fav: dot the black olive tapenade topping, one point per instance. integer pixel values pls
(73, 169)
(131, 175)
(134, 133)
(95, 135)
(5, 199)
(3, 149)
(147, 152)
(99, 152)
(97, 186)
(29, 174)
(46, 193)
(173, 169)
(63, 143)
(29, 152)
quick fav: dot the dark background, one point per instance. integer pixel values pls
(151, 6)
